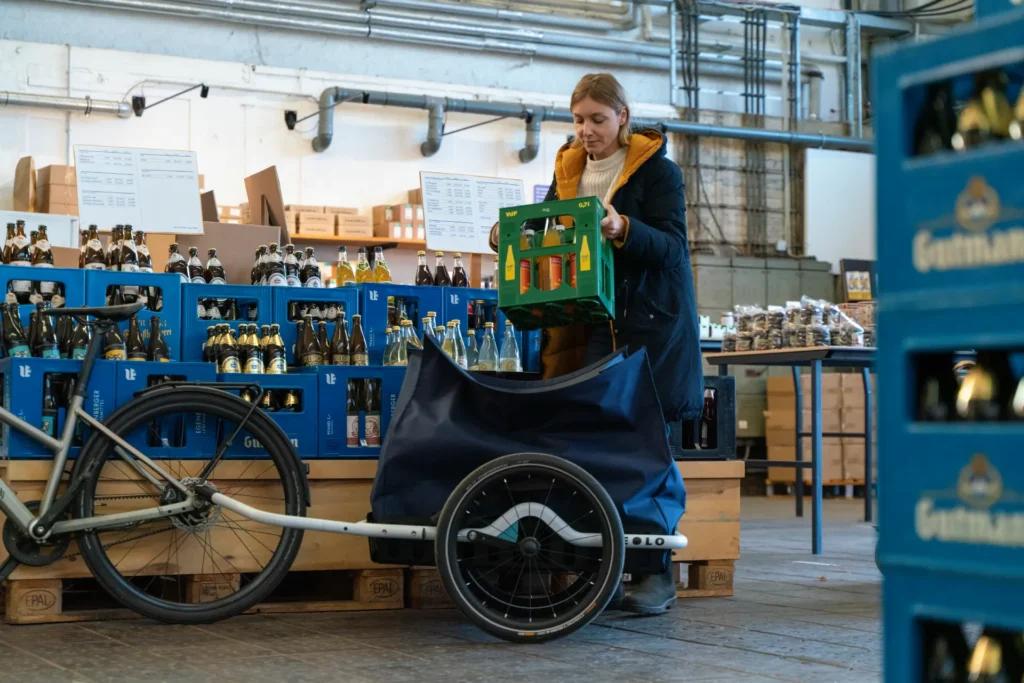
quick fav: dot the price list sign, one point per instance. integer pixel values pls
(459, 210)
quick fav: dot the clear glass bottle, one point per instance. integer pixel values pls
(510, 359)
(472, 352)
(363, 271)
(345, 272)
(487, 360)
(388, 347)
(448, 344)
(381, 272)
(461, 354)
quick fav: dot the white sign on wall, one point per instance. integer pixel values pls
(459, 210)
(156, 190)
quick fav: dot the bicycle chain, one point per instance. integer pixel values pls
(126, 496)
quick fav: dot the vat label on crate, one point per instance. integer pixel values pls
(979, 511)
(972, 243)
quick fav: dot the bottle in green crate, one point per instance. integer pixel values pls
(228, 354)
(487, 360)
(158, 351)
(134, 348)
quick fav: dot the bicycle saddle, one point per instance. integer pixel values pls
(111, 313)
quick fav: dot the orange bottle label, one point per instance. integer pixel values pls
(525, 269)
(556, 271)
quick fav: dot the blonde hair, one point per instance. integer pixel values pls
(606, 90)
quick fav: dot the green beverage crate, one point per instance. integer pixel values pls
(593, 298)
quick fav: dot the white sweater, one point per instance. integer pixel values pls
(599, 176)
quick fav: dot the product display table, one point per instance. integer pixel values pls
(814, 358)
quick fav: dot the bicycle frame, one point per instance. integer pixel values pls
(24, 518)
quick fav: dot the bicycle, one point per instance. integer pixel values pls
(505, 522)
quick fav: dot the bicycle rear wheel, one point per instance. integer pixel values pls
(204, 565)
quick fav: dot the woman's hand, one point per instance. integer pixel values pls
(613, 226)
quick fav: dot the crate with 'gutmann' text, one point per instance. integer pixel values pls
(356, 405)
(39, 390)
(160, 292)
(291, 402)
(552, 277)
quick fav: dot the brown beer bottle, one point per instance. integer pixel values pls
(94, 251)
(9, 243)
(210, 348)
(459, 278)
(340, 352)
(291, 402)
(158, 351)
(229, 362)
(321, 337)
(308, 351)
(274, 360)
(357, 346)
(371, 388)
(135, 349)
(441, 277)
(423, 274)
(113, 345)
(351, 414)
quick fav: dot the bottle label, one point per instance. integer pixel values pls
(197, 280)
(360, 359)
(49, 425)
(277, 280)
(78, 354)
(184, 277)
(340, 359)
(129, 268)
(35, 298)
(163, 359)
(277, 366)
(20, 351)
(230, 365)
(201, 310)
(213, 313)
(293, 281)
(137, 356)
(556, 272)
(47, 287)
(314, 283)
(114, 354)
(50, 353)
(510, 365)
(20, 286)
(254, 366)
(218, 281)
(352, 430)
(311, 359)
(44, 265)
(373, 429)
(96, 266)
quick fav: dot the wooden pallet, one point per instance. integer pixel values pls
(45, 601)
(424, 590)
(704, 578)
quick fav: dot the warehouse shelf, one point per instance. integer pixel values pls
(384, 242)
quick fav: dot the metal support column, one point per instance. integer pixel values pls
(869, 484)
(799, 396)
(816, 448)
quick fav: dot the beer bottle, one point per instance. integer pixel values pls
(308, 352)
(1017, 126)
(9, 242)
(311, 271)
(196, 272)
(20, 256)
(269, 402)
(264, 341)
(229, 361)
(381, 272)
(459, 278)
(142, 249)
(936, 388)
(42, 257)
(447, 339)
(488, 357)
(509, 358)
(274, 361)
(176, 263)
(351, 414)
(113, 247)
(389, 347)
(985, 392)
(231, 312)
(987, 115)
(15, 343)
(80, 342)
(321, 337)
(987, 663)
(158, 350)
(357, 345)
(255, 275)
(275, 267)
(113, 344)
(472, 352)
(363, 271)
(291, 401)
(410, 336)
(423, 274)
(346, 273)
(936, 125)
(371, 388)
(214, 274)
(33, 239)
(253, 353)
(65, 328)
(441, 277)
(49, 422)
(47, 335)
(129, 255)
(708, 421)
(291, 266)
(83, 238)
(94, 259)
(134, 348)
(340, 352)
(33, 333)
(300, 325)
(332, 311)
(393, 319)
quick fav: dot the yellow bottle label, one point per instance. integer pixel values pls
(230, 365)
(360, 359)
(585, 254)
(115, 354)
(277, 366)
(510, 266)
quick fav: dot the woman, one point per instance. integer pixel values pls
(642, 191)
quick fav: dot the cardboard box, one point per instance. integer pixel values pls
(242, 238)
(25, 185)
(303, 208)
(853, 462)
(392, 230)
(831, 420)
(55, 194)
(62, 209)
(292, 219)
(779, 436)
(831, 462)
(56, 175)
(342, 210)
(311, 223)
(831, 383)
(354, 226)
(853, 390)
(421, 233)
(383, 214)
(405, 213)
(416, 196)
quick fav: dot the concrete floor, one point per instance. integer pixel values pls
(794, 617)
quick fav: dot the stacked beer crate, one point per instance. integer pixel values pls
(842, 412)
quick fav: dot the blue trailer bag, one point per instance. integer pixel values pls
(605, 418)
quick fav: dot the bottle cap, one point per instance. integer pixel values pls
(471, 331)
(431, 314)
(421, 253)
(451, 323)
(508, 323)
(458, 254)
(489, 326)
(356, 315)
(438, 253)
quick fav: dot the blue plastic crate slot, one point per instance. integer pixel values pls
(289, 300)
(69, 283)
(179, 436)
(460, 301)
(162, 294)
(333, 408)
(373, 304)
(247, 298)
(24, 380)
(299, 426)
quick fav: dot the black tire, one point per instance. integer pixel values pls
(216, 405)
(465, 583)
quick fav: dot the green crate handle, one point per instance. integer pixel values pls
(591, 301)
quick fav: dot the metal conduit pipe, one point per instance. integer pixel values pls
(435, 127)
(85, 105)
(535, 115)
(532, 148)
(516, 16)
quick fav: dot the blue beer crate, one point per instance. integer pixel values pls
(346, 298)
(23, 380)
(531, 350)
(457, 303)
(97, 288)
(300, 426)
(194, 328)
(182, 436)
(333, 402)
(951, 279)
(72, 280)
(373, 304)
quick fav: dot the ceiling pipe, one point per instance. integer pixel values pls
(532, 148)
(516, 16)
(435, 127)
(332, 96)
(85, 105)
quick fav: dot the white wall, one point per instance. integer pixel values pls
(839, 205)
